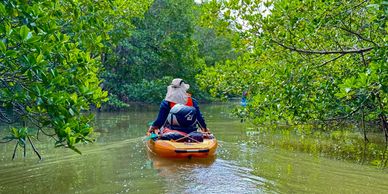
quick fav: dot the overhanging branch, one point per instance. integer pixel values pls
(358, 35)
(323, 52)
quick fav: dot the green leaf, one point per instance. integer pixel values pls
(24, 32)
(74, 97)
(39, 58)
(39, 101)
(67, 130)
(76, 150)
(375, 6)
(33, 39)
(2, 47)
(2, 9)
(11, 53)
(227, 13)
(71, 112)
(8, 29)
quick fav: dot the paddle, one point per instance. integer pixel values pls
(152, 136)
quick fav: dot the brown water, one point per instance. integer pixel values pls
(118, 163)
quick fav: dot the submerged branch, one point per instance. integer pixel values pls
(34, 148)
(14, 150)
(363, 125)
(24, 149)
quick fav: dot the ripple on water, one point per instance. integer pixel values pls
(217, 176)
(226, 177)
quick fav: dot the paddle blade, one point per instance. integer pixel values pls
(152, 136)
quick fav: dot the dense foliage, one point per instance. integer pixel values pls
(168, 41)
(50, 64)
(53, 54)
(310, 61)
(161, 45)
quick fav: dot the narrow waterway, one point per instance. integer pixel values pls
(119, 163)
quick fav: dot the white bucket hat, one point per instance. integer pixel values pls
(179, 83)
(176, 91)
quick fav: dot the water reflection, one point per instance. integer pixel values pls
(166, 166)
(210, 175)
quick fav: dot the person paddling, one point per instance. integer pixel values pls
(179, 111)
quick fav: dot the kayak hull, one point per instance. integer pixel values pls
(171, 149)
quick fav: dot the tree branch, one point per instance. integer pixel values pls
(353, 112)
(6, 141)
(331, 60)
(323, 52)
(358, 35)
(344, 117)
(363, 60)
(358, 5)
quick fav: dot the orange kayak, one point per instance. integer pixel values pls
(172, 149)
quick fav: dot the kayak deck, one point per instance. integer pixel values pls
(171, 149)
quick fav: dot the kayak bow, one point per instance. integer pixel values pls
(173, 149)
